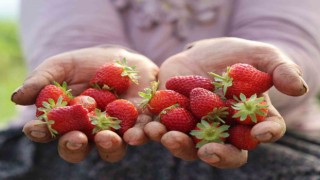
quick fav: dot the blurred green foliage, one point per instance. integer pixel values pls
(12, 68)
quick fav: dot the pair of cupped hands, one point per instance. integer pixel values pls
(199, 58)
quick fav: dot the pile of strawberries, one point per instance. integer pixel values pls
(97, 108)
(222, 110)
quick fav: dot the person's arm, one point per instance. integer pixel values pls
(55, 26)
(292, 26)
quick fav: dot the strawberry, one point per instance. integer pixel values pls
(61, 120)
(125, 111)
(101, 96)
(176, 118)
(243, 78)
(205, 104)
(229, 120)
(240, 137)
(156, 100)
(115, 76)
(52, 91)
(249, 111)
(184, 84)
(206, 132)
(103, 121)
(86, 101)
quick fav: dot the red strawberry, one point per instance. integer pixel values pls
(229, 120)
(176, 118)
(243, 78)
(86, 101)
(69, 118)
(101, 96)
(52, 91)
(206, 104)
(251, 110)
(240, 137)
(116, 76)
(209, 132)
(157, 100)
(184, 84)
(125, 111)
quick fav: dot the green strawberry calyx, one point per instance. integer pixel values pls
(210, 132)
(104, 122)
(216, 114)
(129, 71)
(224, 81)
(47, 107)
(249, 107)
(64, 88)
(148, 94)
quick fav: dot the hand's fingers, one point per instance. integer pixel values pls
(155, 130)
(222, 155)
(136, 135)
(180, 145)
(37, 132)
(287, 76)
(273, 128)
(110, 146)
(73, 146)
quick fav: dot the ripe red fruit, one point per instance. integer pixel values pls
(184, 84)
(240, 137)
(125, 111)
(157, 100)
(229, 120)
(86, 101)
(176, 118)
(65, 119)
(251, 110)
(115, 76)
(206, 104)
(52, 91)
(243, 78)
(101, 96)
(206, 132)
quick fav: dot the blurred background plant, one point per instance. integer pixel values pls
(12, 66)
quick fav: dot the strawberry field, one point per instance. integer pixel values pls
(12, 68)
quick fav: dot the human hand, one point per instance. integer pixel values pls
(77, 68)
(214, 55)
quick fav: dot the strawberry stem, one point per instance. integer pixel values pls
(223, 81)
(128, 70)
(148, 94)
(104, 122)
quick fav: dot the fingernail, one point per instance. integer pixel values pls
(37, 134)
(14, 93)
(212, 158)
(305, 87)
(73, 146)
(106, 145)
(264, 137)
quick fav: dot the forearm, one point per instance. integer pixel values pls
(56, 26)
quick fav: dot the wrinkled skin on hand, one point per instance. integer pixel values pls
(214, 55)
(77, 68)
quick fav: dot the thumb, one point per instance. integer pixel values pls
(287, 78)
